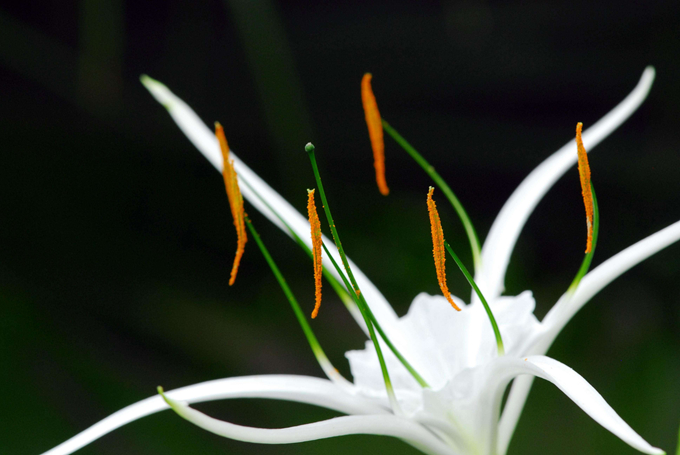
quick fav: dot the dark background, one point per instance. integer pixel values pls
(116, 240)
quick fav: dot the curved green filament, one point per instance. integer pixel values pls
(455, 202)
(585, 265)
(382, 334)
(494, 325)
(309, 148)
(309, 334)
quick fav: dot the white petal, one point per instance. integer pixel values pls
(568, 305)
(604, 274)
(576, 388)
(252, 185)
(446, 342)
(513, 409)
(303, 389)
(514, 214)
(383, 425)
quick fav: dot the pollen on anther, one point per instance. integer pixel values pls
(235, 200)
(438, 249)
(315, 224)
(584, 173)
(375, 132)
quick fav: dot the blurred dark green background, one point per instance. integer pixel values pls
(116, 240)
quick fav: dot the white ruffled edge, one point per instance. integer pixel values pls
(302, 389)
(511, 219)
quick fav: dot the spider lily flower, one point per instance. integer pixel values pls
(459, 412)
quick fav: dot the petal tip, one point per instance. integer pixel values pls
(158, 90)
(647, 79)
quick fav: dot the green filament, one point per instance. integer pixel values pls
(349, 302)
(585, 265)
(494, 325)
(455, 202)
(375, 322)
(309, 148)
(311, 338)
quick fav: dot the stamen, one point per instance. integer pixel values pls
(584, 173)
(235, 200)
(361, 303)
(375, 132)
(316, 249)
(438, 248)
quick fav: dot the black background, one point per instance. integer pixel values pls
(116, 240)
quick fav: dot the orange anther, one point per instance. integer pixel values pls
(235, 200)
(375, 132)
(584, 173)
(438, 250)
(316, 249)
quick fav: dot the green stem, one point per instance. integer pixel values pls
(496, 331)
(311, 338)
(455, 202)
(309, 148)
(585, 265)
(375, 322)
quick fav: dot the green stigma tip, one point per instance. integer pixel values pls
(160, 389)
(309, 148)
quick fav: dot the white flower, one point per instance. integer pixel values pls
(454, 351)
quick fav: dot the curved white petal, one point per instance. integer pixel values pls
(303, 389)
(568, 305)
(382, 425)
(604, 274)
(204, 140)
(514, 214)
(577, 389)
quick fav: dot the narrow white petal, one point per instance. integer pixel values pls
(568, 305)
(252, 185)
(577, 389)
(514, 214)
(382, 425)
(303, 389)
(519, 391)
(604, 274)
